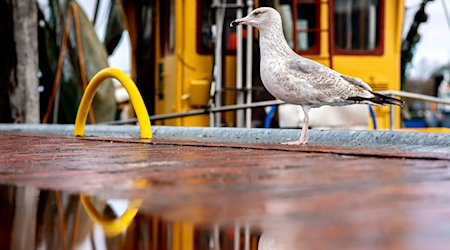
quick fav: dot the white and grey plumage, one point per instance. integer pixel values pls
(298, 80)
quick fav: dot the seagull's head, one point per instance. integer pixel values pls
(259, 18)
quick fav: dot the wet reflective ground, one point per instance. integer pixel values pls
(183, 195)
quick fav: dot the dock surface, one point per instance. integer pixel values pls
(318, 196)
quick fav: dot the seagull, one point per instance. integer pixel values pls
(294, 79)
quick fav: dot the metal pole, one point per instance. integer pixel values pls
(202, 111)
(237, 236)
(97, 5)
(213, 110)
(247, 237)
(392, 117)
(248, 80)
(239, 71)
(220, 14)
(211, 119)
(56, 104)
(216, 237)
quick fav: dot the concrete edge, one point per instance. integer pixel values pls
(254, 135)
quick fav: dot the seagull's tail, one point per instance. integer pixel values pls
(382, 99)
(377, 99)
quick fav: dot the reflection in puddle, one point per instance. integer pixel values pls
(31, 218)
(298, 199)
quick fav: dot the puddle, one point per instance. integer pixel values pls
(70, 193)
(33, 218)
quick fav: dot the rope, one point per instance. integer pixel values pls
(62, 222)
(56, 82)
(447, 16)
(76, 226)
(80, 55)
(58, 69)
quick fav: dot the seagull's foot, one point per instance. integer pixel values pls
(298, 142)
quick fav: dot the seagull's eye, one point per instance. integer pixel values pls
(257, 13)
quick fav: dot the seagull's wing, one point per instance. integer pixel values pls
(335, 88)
(357, 82)
(308, 66)
(331, 85)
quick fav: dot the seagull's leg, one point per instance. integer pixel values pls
(304, 133)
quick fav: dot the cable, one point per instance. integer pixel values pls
(447, 16)
(83, 76)
(56, 82)
(58, 69)
(269, 116)
(374, 117)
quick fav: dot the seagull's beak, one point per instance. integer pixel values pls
(239, 22)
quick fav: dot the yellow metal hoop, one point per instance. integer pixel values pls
(112, 227)
(133, 92)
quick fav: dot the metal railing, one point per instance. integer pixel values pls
(205, 111)
(409, 95)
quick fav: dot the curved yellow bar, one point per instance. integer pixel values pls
(112, 227)
(133, 92)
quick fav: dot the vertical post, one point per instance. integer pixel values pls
(239, 64)
(294, 24)
(328, 31)
(56, 105)
(247, 237)
(216, 237)
(248, 79)
(220, 15)
(237, 236)
(24, 95)
(211, 119)
(392, 117)
(23, 231)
